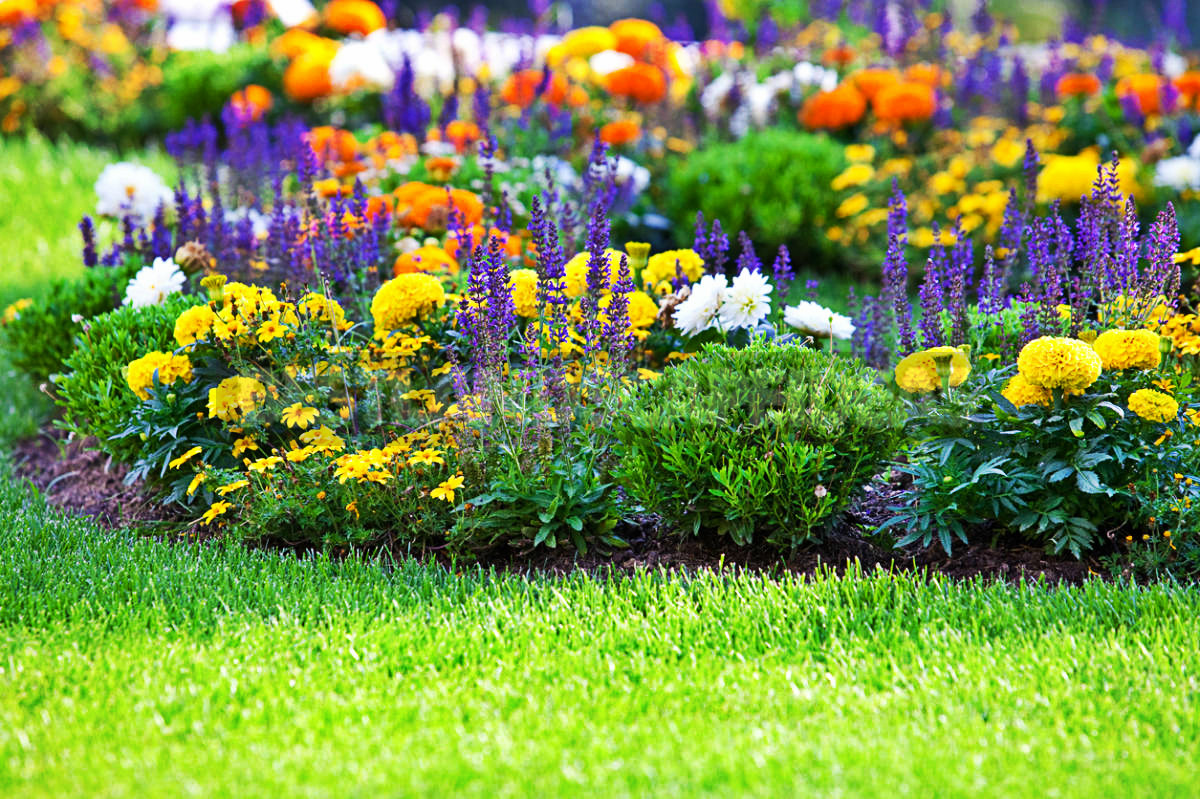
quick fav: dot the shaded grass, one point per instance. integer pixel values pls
(216, 670)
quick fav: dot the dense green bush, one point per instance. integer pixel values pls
(772, 184)
(763, 442)
(39, 341)
(92, 391)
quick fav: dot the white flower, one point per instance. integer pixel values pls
(747, 302)
(153, 284)
(128, 189)
(626, 171)
(818, 321)
(360, 63)
(259, 222)
(607, 61)
(702, 307)
(292, 12)
(1179, 173)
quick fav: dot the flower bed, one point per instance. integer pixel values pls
(472, 331)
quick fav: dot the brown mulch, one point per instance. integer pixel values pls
(85, 482)
(72, 477)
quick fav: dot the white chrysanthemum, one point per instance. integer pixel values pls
(153, 284)
(1179, 173)
(360, 63)
(747, 302)
(608, 61)
(702, 308)
(818, 321)
(128, 189)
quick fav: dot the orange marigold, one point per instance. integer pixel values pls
(641, 82)
(354, 16)
(636, 36)
(929, 74)
(1077, 84)
(461, 134)
(425, 259)
(871, 81)
(307, 77)
(251, 102)
(1188, 85)
(905, 102)
(623, 131)
(1146, 87)
(521, 88)
(839, 108)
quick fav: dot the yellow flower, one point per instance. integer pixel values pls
(446, 488)
(1153, 406)
(1128, 349)
(577, 271)
(243, 445)
(263, 464)
(1056, 362)
(323, 439)
(233, 397)
(326, 309)
(859, 152)
(184, 458)
(648, 374)
(523, 283)
(298, 455)
(854, 175)
(270, 330)
(404, 299)
(1020, 392)
(297, 415)
(852, 205)
(194, 324)
(168, 367)
(197, 479)
(215, 510)
(662, 267)
(229, 488)
(918, 373)
(1069, 177)
(13, 312)
(427, 457)
(1191, 257)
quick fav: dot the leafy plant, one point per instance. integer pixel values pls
(766, 442)
(92, 391)
(42, 337)
(772, 184)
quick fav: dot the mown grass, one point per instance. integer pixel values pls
(130, 667)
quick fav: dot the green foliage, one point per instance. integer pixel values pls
(41, 338)
(764, 442)
(92, 391)
(1064, 476)
(199, 83)
(772, 184)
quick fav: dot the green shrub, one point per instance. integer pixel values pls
(767, 441)
(42, 337)
(772, 184)
(92, 391)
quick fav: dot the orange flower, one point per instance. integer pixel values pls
(297, 41)
(641, 82)
(13, 12)
(380, 204)
(333, 144)
(425, 259)
(871, 81)
(461, 133)
(1188, 85)
(839, 108)
(636, 37)
(513, 244)
(623, 131)
(428, 207)
(307, 77)
(905, 102)
(521, 88)
(1146, 87)
(354, 16)
(1077, 84)
(929, 74)
(838, 56)
(441, 167)
(252, 102)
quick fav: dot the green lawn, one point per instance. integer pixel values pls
(132, 667)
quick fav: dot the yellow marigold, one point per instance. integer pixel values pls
(523, 283)
(235, 396)
(140, 374)
(854, 175)
(852, 205)
(661, 266)
(1153, 406)
(577, 269)
(326, 309)
(194, 324)
(404, 298)
(918, 373)
(1068, 177)
(1056, 362)
(1128, 349)
(1020, 391)
(13, 312)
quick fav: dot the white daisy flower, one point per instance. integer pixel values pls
(128, 189)
(702, 308)
(818, 321)
(153, 284)
(747, 302)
